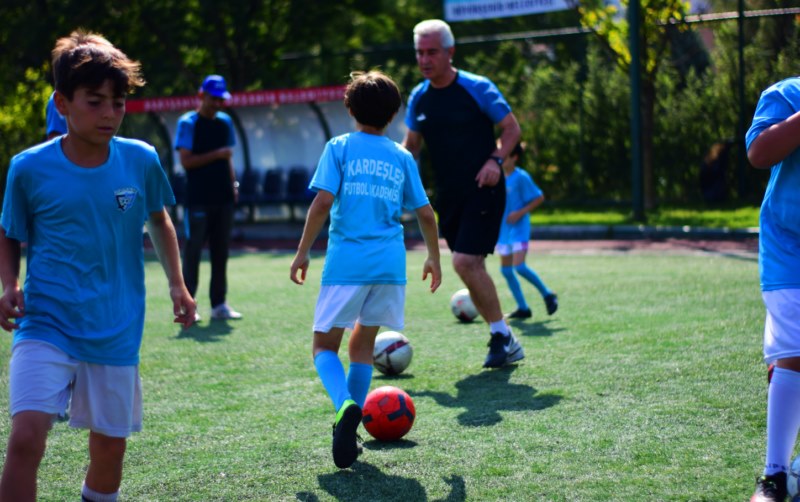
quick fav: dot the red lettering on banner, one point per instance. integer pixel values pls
(240, 99)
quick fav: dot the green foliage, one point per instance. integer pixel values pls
(22, 117)
(570, 93)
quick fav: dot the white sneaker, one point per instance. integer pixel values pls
(197, 317)
(223, 311)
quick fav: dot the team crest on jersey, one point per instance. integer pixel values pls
(421, 117)
(125, 198)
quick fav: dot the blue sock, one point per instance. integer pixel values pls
(359, 377)
(331, 372)
(528, 273)
(514, 286)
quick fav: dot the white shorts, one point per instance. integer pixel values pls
(782, 326)
(369, 305)
(509, 249)
(105, 399)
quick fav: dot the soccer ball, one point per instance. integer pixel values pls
(462, 306)
(793, 479)
(388, 413)
(392, 353)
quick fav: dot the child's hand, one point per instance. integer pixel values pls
(183, 306)
(434, 268)
(12, 306)
(300, 263)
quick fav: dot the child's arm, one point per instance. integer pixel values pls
(514, 216)
(12, 302)
(430, 233)
(775, 143)
(165, 242)
(315, 219)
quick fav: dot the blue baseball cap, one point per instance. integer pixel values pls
(214, 85)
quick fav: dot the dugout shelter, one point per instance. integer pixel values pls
(280, 135)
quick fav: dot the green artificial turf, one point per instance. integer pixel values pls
(647, 384)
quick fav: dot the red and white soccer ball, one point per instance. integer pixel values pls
(388, 413)
(392, 353)
(462, 307)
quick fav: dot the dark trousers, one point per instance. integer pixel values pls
(211, 223)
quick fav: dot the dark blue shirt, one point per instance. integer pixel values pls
(457, 124)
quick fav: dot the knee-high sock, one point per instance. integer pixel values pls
(331, 372)
(783, 419)
(359, 377)
(514, 286)
(531, 276)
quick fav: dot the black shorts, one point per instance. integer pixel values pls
(471, 225)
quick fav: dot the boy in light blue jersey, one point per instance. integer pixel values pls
(54, 122)
(773, 143)
(522, 197)
(80, 201)
(363, 181)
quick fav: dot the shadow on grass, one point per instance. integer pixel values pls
(366, 482)
(486, 394)
(206, 333)
(389, 378)
(536, 328)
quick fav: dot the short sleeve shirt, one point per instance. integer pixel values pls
(520, 191)
(779, 239)
(457, 123)
(211, 183)
(373, 180)
(84, 285)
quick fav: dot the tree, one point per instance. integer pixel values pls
(654, 42)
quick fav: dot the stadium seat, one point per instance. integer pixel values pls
(274, 186)
(297, 192)
(249, 187)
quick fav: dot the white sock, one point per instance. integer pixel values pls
(783, 419)
(94, 496)
(499, 327)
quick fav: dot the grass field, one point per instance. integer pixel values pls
(646, 385)
(734, 217)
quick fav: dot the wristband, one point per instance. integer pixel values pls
(497, 159)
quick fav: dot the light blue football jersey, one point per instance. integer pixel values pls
(520, 191)
(373, 179)
(779, 236)
(84, 285)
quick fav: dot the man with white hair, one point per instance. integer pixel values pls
(454, 113)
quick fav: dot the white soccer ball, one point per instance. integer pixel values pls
(793, 479)
(392, 353)
(462, 307)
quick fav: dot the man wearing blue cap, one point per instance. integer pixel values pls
(205, 141)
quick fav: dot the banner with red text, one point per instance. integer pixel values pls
(241, 99)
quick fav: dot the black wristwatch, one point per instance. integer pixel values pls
(497, 159)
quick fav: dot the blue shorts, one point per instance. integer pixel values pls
(102, 398)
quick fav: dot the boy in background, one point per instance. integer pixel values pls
(772, 143)
(80, 202)
(364, 181)
(522, 197)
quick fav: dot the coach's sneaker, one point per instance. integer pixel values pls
(520, 314)
(223, 311)
(345, 439)
(551, 302)
(770, 488)
(503, 349)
